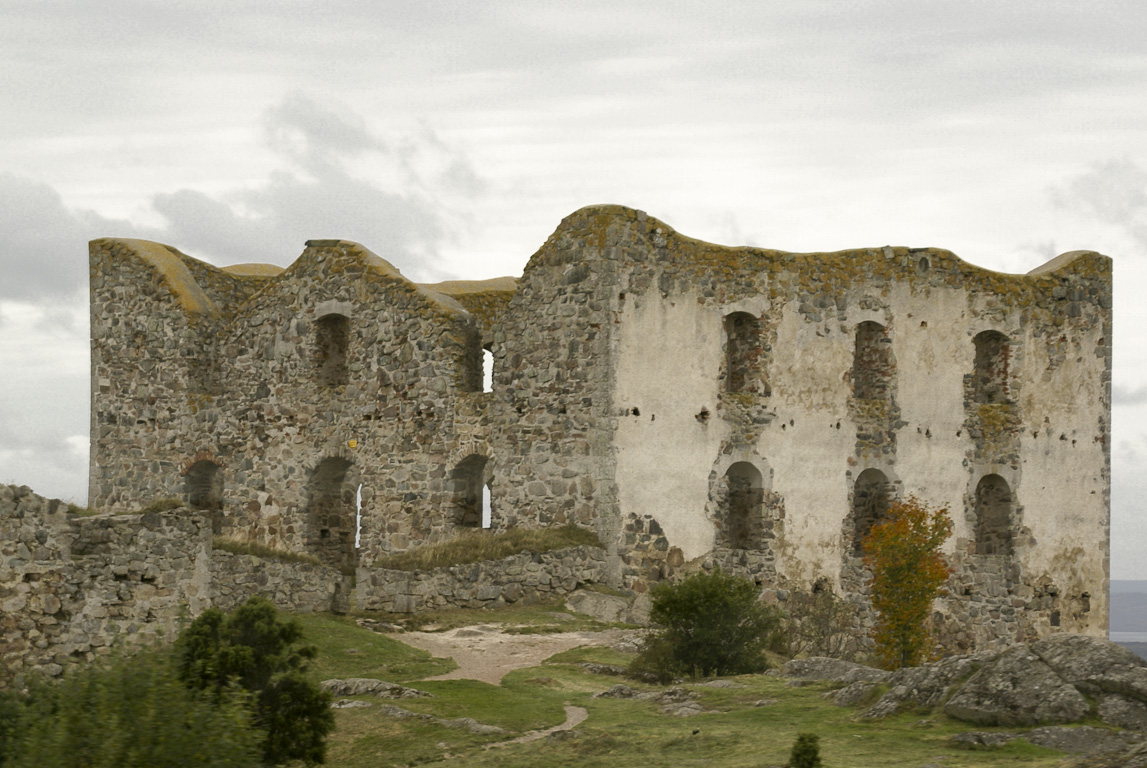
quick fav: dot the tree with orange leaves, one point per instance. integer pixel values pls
(908, 573)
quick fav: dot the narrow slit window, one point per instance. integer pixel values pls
(487, 508)
(487, 369)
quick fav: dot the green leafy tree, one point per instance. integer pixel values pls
(908, 573)
(253, 650)
(805, 752)
(130, 712)
(709, 624)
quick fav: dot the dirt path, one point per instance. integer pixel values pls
(485, 652)
(574, 716)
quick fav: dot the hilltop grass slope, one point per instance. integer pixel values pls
(750, 724)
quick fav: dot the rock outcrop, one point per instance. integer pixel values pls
(1061, 679)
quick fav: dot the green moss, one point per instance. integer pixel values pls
(478, 546)
(260, 550)
(161, 505)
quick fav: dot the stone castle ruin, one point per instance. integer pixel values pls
(692, 404)
(749, 408)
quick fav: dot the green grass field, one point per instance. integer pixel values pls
(734, 731)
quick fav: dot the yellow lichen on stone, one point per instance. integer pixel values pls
(254, 270)
(173, 273)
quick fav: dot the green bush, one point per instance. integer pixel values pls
(127, 713)
(252, 649)
(806, 751)
(709, 624)
(656, 662)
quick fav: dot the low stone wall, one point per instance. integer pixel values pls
(71, 587)
(291, 586)
(521, 578)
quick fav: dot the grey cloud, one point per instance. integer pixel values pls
(316, 137)
(44, 252)
(405, 220)
(1115, 192)
(1124, 395)
(868, 55)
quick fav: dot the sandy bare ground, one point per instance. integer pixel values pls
(485, 652)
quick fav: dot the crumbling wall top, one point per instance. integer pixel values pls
(599, 231)
(486, 300)
(170, 268)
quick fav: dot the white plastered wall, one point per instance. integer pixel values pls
(668, 362)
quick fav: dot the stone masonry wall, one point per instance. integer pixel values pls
(72, 587)
(523, 578)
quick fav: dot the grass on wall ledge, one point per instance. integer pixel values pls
(236, 547)
(475, 546)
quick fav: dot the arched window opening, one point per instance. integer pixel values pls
(994, 507)
(332, 512)
(872, 364)
(870, 499)
(993, 358)
(741, 509)
(744, 350)
(469, 488)
(487, 369)
(332, 340)
(203, 485)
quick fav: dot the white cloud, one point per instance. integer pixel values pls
(1113, 192)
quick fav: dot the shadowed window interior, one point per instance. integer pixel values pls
(473, 362)
(203, 485)
(872, 365)
(744, 349)
(870, 499)
(990, 378)
(741, 508)
(332, 340)
(332, 512)
(994, 504)
(469, 488)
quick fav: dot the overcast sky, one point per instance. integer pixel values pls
(452, 137)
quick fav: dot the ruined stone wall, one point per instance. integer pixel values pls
(754, 407)
(388, 420)
(523, 578)
(551, 420)
(72, 587)
(152, 327)
(869, 368)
